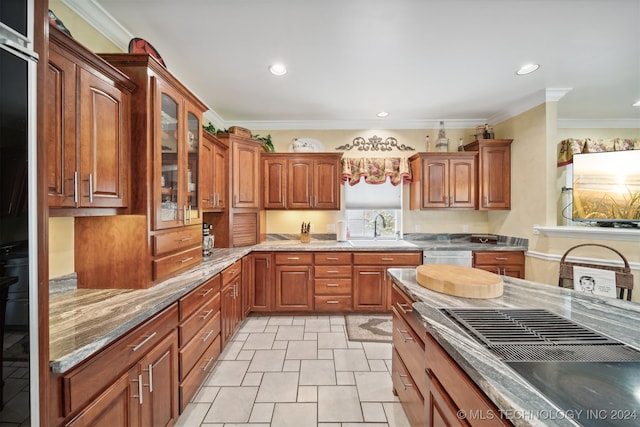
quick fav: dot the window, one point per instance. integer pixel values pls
(366, 202)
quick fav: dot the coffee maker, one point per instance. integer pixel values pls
(208, 239)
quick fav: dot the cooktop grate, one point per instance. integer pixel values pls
(539, 335)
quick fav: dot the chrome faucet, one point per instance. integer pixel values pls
(376, 233)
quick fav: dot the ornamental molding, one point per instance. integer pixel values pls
(375, 143)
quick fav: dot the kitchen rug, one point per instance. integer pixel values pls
(375, 328)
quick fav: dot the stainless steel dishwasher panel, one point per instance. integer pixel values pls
(463, 258)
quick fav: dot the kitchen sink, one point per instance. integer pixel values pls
(381, 244)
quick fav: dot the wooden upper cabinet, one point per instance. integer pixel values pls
(495, 173)
(443, 180)
(88, 107)
(214, 173)
(245, 166)
(302, 181)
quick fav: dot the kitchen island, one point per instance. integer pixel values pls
(514, 397)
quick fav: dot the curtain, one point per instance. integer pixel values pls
(375, 170)
(572, 146)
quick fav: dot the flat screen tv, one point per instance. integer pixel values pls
(606, 188)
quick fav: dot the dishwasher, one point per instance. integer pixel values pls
(464, 258)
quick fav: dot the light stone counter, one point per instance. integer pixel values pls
(522, 403)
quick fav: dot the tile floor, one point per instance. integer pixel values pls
(297, 371)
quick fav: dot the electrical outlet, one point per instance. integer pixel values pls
(417, 228)
(465, 228)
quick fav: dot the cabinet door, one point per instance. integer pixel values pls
(160, 383)
(495, 176)
(226, 313)
(275, 183)
(294, 288)
(60, 135)
(440, 410)
(326, 185)
(246, 169)
(262, 287)
(220, 176)
(369, 288)
(207, 173)
(245, 292)
(435, 183)
(192, 166)
(300, 184)
(462, 183)
(103, 175)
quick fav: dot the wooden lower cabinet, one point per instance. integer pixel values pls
(505, 263)
(230, 301)
(261, 289)
(293, 281)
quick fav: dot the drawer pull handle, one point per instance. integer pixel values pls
(143, 342)
(332, 285)
(206, 314)
(332, 302)
(387, 259)
(183, 260)
(207, 336)
(402, 335)
(498, 258)
(207, 292)
(139, 395)
(185, 239)
(293, 258)
(405, 385)
(331, 259)
(333, 271)
(402, 308)
(206, 365)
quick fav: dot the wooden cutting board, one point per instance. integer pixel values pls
(459, 281)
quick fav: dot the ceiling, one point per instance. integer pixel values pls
(420, 60)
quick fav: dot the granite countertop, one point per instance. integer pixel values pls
(83, 321)
(518, 400)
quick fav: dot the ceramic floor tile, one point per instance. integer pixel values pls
(245, 355)
(325, 354)
(389, 365)
(345, 378)
(278, 387)
(193, 415)
(321, 324)
(231, 351)
(373, 412)
(262, 341)
(302, 350)
(337, 320)
(279, 345)
(353, 425)
(350, 360)
(262, 413)
(252, 379)
(337, 328)
(311, 336)
(280, 320)
(354, 344)
(396, 417)
(329, 424)
(240, 337)
(254, 324)
(205, 394)
(232, 405)
(267, 360)
(376, 350)
(377, 365)
(295, 415)
(339, 404)
(291, 365)
(271, 328)
(375, 386)
(332, 340)
(290, 333)
(227, 373)
(317, 372)
(298, 321)
(307, 393)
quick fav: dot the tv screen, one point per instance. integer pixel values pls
(606, 187)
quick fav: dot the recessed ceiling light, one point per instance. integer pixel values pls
(382, 114)
(637, 103)
(278, 69)
(527, 69)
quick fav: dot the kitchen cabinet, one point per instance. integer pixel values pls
(449, 390)
(230, 301)
(301, 181)
(505, 263)
(293, 281)
(247, 281)
(371, 287)
(143, 365)
(408, 357)
(443, 180)
(494, 174)
(165, 164)
(198, 337)
(262, 291)
(88, 108)
(214, 173)
(332, 281)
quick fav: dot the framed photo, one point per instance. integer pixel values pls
(594, 281)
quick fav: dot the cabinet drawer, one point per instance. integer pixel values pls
(82, 384)
(333, 303)
(189, 303)
(332, 258)
(193, 350)
(501, 257)
(411, 399)
(230, 272)
(333, 286)
(166, 266)
(294, 258)
(402, 305)
(410, 348)
(176, 240)
(385, 259)
(193, 324)
(333, 271)
(193, 380)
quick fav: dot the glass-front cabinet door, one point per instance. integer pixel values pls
(194, 134)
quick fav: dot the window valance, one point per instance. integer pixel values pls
(376, 170)
(572, 146)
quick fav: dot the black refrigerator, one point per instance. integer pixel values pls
(18, 221)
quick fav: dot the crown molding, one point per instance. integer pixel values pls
(356, 124)
(101, 20)
(529, 102)
(598, 123)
